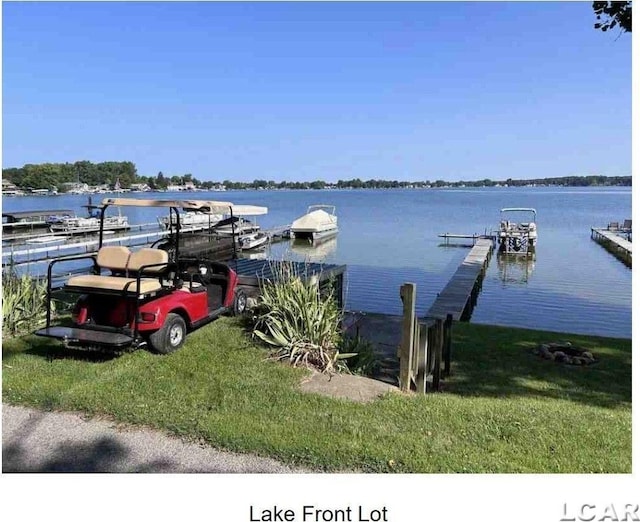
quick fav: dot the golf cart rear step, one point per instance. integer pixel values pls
(86, 336)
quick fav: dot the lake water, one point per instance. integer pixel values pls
(389, 237)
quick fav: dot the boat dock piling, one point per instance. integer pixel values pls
(618, 246)
(459, 295)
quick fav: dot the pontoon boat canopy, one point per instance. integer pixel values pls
(518, 209)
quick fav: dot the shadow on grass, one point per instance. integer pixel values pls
(51, 349)
(498, 362)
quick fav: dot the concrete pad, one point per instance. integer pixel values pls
(345, 386)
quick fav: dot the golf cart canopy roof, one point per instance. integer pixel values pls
(200, 205)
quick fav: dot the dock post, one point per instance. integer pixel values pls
(447, 345)
(422, 363)
(438, 354)
(408, 296)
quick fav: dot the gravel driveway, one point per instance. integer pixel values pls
(37, 441)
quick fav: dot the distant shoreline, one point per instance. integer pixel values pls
(40, 193)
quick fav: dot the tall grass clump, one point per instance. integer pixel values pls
(24, 303)
(300, 321)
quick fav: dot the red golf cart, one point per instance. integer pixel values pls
(149, 296)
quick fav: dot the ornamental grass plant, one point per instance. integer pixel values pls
(299, 320)
(24, 302)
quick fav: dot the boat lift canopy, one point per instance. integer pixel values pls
(249, 210)
(209, 207)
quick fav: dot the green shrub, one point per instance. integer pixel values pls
(24, 303)
(302, 324)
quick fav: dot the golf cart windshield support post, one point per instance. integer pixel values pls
(102, 211)
(178, 229)
(49, 295)
(233, 233)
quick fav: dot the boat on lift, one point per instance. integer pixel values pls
(517, 234)
(88, 225)
(192, 219)
(320, 222)
(238, 225)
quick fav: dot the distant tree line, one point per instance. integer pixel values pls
(48, 175)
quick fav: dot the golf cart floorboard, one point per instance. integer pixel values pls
(86, 336)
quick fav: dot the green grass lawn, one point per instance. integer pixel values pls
(503, 409)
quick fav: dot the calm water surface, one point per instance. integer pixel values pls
(389, 237)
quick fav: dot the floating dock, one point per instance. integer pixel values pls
(618, 246)
(459, 295)
(52, 246)
(28, 254)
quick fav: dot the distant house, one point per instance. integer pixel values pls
(9, 189)
(140, 187)
(188, 186)
(75, 188)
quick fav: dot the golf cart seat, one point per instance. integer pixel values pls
(121, 261)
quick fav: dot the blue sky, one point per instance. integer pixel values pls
(304, 91)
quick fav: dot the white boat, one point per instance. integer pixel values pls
(46, 240)
(193, 219)
(80, 225)
(237, 224)
(24, 220)
(319, 222)
(252, 241)
(517, 236)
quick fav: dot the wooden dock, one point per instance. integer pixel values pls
(459, 295)
(474, 237)
(618, 246)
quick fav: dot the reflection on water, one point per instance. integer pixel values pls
(253, 254)
(315, 252)
(515, 269)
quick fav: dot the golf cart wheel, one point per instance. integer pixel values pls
(171, 336)
(239, 302)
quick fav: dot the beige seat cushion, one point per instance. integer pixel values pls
(148, 256)
(113, 257)
(114, 283)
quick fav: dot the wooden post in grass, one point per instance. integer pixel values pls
(447, 345)
(422, 362)
(438, 354)
(408, 296)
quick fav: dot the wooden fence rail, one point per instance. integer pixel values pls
(424, 347)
